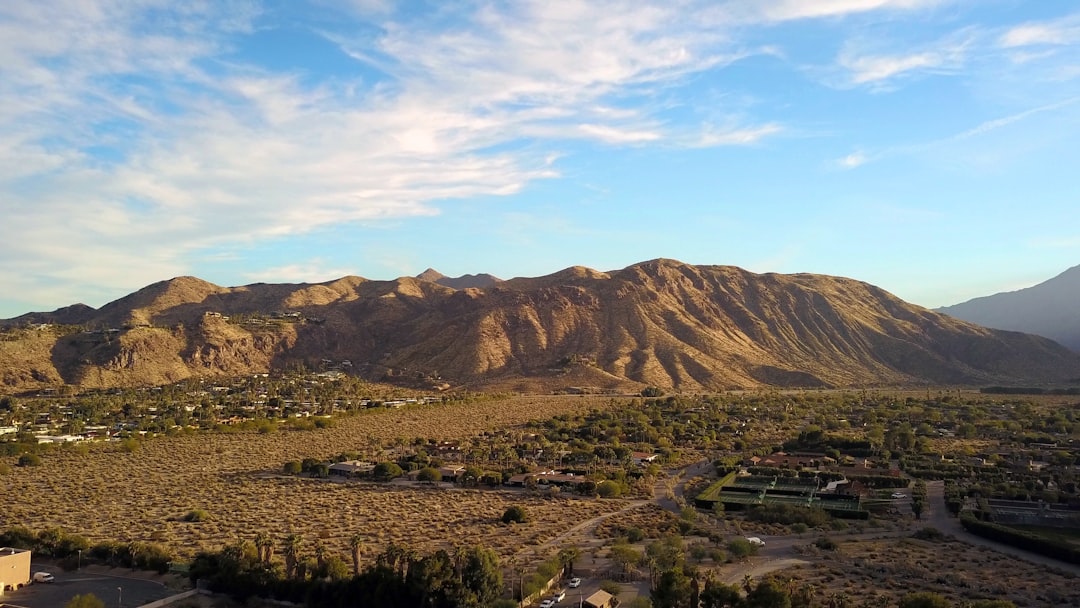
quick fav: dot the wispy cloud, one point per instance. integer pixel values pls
(135, 124)
(1060, 32)
(860, 66)
(786, 10)
(853, 160)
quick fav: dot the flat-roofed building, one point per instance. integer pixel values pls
(14, 568)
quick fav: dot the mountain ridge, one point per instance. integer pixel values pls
(1047, 309)
(658, 322)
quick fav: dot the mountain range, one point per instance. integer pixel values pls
(660, 322)
(1050, 309)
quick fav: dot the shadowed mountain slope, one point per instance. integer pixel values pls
(1051, 309)
(659, 322)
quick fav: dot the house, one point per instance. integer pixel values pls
(451, 472)
(600, 599)
(351, 468)
(643, 458)
(14, 569)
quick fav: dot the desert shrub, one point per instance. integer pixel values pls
(929, 533)
(799, 527)
(740, 547)
(29, 460)
(635, 535)
(196, 515)
(924, 599)
(429, 474)
(130, 445)
(324, 423)
(85, 601)
(609, 489)
(826, 544)
(515, 514)
(293, 467)
(5, 468)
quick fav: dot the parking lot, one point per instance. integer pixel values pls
(114, 590)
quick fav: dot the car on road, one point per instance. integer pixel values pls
(898, 495)
(547, 603)
(558, 597)
(575, 583)
(757, 542)
(44, 577)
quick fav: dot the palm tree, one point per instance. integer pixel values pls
(265, 545)
(356, 543)
(293, 544)
(567, 557)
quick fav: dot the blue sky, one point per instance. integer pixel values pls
(925, 146)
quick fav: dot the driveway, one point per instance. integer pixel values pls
(109, 588)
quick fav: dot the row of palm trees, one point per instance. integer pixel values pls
(292, 549)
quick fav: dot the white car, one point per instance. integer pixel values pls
(575, 583)
(558, 597)
(547, 603)
(757, 542)
(44, 577)
(898, 495)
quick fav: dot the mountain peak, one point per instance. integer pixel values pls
(431, 275)
(1047, 309)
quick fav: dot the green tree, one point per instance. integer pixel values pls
(85, 601)
(481, 578)
(567, 557)
(385, 471)
(515, 514)
(768, 594)
(720, 595)
(672, 590)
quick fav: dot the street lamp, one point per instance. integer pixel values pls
(120, 602)
(80, 560)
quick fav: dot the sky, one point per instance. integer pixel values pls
(926, 146)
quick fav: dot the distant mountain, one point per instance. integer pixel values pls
(1050, 309)
(659, 323)
(465, 281)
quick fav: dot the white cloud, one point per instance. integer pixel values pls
(1064, 31)
(876, 69)
(853, 160)
(311, 271)
(786, 10)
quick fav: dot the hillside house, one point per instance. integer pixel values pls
(644, 458)
(14, 569)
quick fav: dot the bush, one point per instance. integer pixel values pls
(929, 533)
(609, 489)
(130, 445)
(635, 535)
(5, 468)
(429, 474)
(293, 467)
(515, 514)
(29, 460)
(740, 547)
(826, 544)
(196, 515)
(611, 587)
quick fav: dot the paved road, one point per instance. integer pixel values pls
(110, 588)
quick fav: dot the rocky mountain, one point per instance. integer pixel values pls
(465, 281)
(660, 323)
(1051, 309)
